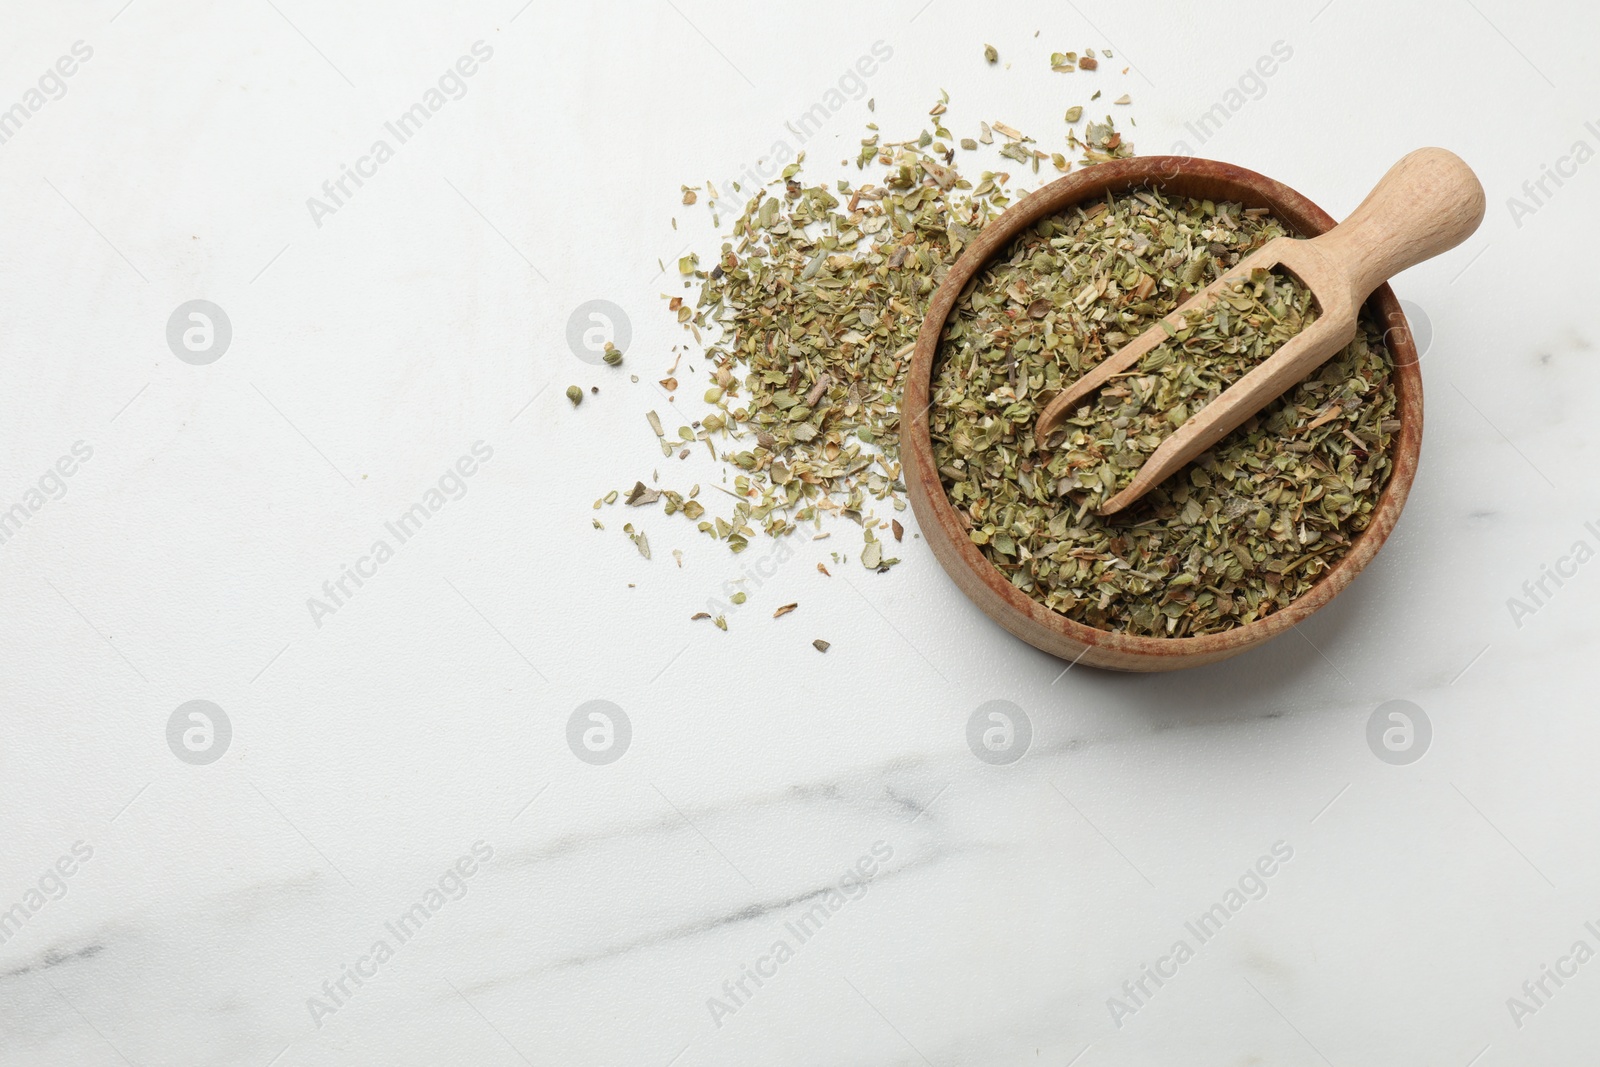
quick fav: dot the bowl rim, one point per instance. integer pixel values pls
(982, 581)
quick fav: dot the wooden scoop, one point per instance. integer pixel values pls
(1428, 203)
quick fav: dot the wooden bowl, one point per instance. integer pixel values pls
(980, 580)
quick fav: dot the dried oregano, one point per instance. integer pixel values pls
(1102, 445)
(816, 299)
(818, 292)
(1242, 531)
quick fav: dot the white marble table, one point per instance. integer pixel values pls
(391, 855)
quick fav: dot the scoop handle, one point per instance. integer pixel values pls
(1426, 204)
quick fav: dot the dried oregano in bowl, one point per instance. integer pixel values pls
(1239, 534)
